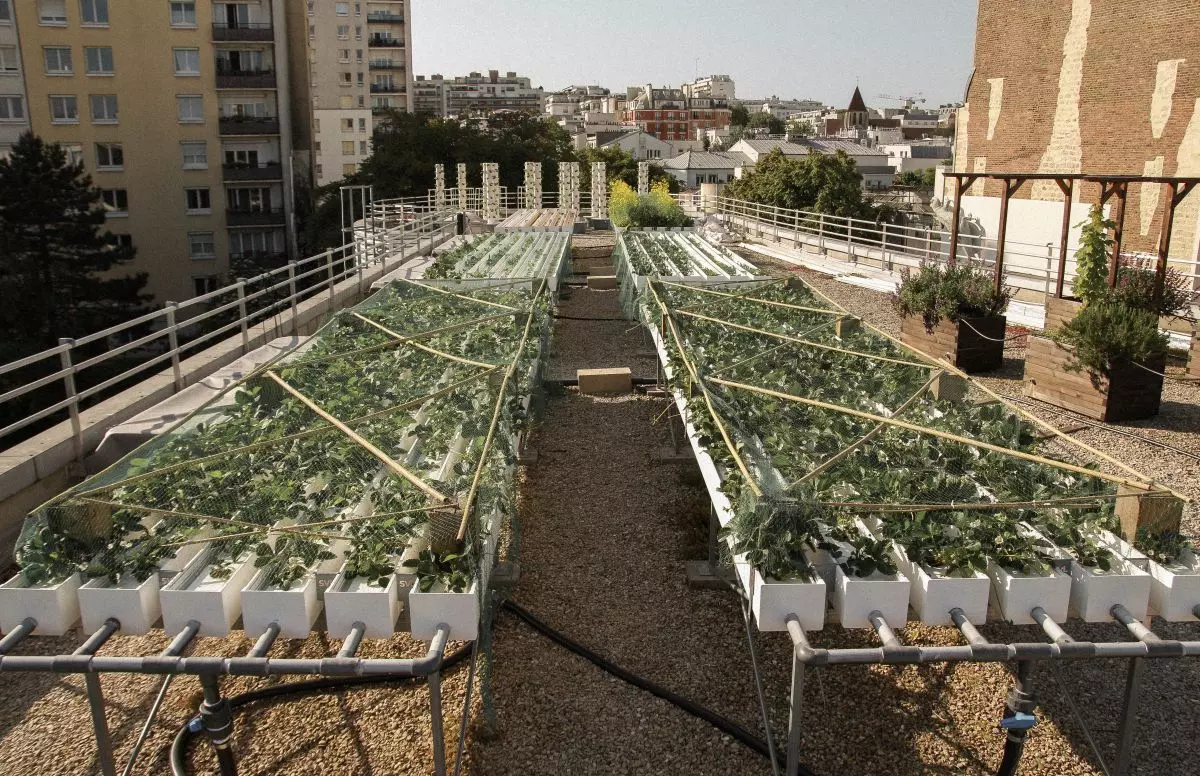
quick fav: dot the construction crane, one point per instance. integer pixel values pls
(909, 102)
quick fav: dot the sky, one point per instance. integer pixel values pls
(804, 49)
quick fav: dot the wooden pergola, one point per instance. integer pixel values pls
(1110, 186)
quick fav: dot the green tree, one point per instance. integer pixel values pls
(824, 183)
(918, 179)
(619, 166)
(56, 259)
(1091, 274)
(803, 129)
(739, 116)
(773, 125)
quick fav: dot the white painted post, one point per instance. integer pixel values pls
(439, 185)
(243, 315)
(599, 190)
(462, 186)
(643, 178)
(69, 386)
(173, 344)
(292, 295)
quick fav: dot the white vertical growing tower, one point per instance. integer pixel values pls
(599, 190)
(568, 186)
(533, 185)
(462, 186)
(643, 178)
(491, 191)
(439, 185)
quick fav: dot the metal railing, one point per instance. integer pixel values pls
(94, 366)
(510, 200)
(1027, 266)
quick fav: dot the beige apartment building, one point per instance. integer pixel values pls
(360, 66)
(14, 109)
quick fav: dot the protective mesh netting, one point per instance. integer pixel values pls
(832, 436)
(373, 438)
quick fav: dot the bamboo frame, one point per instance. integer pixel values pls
(846, 451)
(996, 506)
(288, 438)
(775, 349)
(487, 302)
(366, 445)
(932, 432)
(426, 348)
(259, 528)
(745, 298)
(799, 341)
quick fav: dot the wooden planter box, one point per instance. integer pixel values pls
(1130, 393)
(1194, 360)
(1060, 311)
(958, 342)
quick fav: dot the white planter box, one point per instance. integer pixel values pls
(55, 607)
(854, 599)
(772, 601)
(194, 595)
(294, 610)
(135, 605)
(1093, 594)
(351, 601)
(458, 610)
(932, 596)
(1175, 589)
(1019, 594)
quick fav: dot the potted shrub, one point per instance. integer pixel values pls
(444, 593)
(953, 313)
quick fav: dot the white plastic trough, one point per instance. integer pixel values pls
(195, 595)
(54, 607)
(134, 604)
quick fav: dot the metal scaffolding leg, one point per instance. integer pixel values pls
(1133, 691)
(435, 723)
(104, 750)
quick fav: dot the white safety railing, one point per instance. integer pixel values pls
(510, 200)
(83, 366)
(1027, 267)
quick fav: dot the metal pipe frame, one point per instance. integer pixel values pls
(1062, 646)
(214, 711)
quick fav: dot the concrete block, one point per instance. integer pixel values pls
(602, 282)
(619, 380)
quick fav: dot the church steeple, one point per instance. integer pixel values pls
(856, 114)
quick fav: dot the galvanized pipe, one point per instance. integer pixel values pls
(17, 634)
(265, 641)
(1052, 629)
(353, 640)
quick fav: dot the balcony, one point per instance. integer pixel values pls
(243, 31)
(385, 17)
(242, 78)
(386, 64)
(254, 217)
(392, 88)
(257, 261)
(263, 171)
(377, 41)
(248, 125)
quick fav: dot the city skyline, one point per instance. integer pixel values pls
(921, 47)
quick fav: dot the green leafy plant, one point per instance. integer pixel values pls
(451, 569)
(628, 209)
(1164, 547)
(1136, 280)
(936, 292)
(868, 557)
(1106, 333)
(290, 559)
(1075, 533)
(1091, 270)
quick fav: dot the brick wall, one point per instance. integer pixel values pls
(1089, 86)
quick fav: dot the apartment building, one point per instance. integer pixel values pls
(173, 109)
(713, 87)
(14, 109)
(476, 94)
(360, 65)
(669, 114)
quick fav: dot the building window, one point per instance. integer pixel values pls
(320, 173)
(360, 78)
(199, 202)
(249, 242)
(317, 146)
(9, 61)
(241, 157)
(64, 109)
(104, 108)
(115, 201)
(52, 12)
(201, 245)
(205, 284)
(346, 101)
(362, 101)
(195, 155)
(362, 147)
(358, 33)
(316, 125)
(347, 125)
(362, 125)
(345, 79)
(94, 12)
(343, 55)
(74, 152)
(191, 108)
(98, 60)
(341, 9)
(58, 60)
(5, 11)
(343, 31)
(123, 241)
(349, 169)
(183, 14)
(11, 108)
(187, 61)
(109, 156)
(358, 55)
(249, 200)
(347, 148)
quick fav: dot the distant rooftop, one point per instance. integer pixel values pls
(706, 160)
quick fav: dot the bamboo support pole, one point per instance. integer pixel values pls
(487, 302)
(426, 348)
(366, 445)
(487, 442)
(932, 432)
(259, 528)
(410, 404)
(775, 349)
(846, 451)
(712, 411)
(1080, 502)
(799, 341)
(755, 300)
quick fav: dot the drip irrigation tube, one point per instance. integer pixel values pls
(183, 739)
(727, 726)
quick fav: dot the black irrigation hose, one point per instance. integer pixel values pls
(183, 739)
(725, 725)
